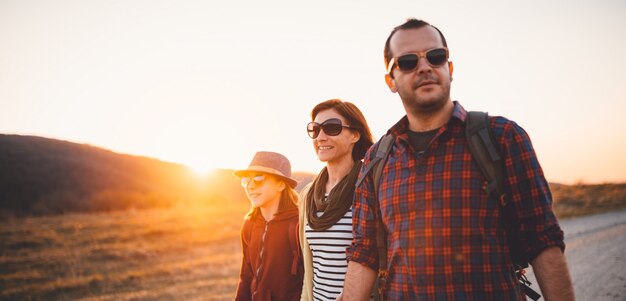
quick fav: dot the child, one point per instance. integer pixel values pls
(272, 262)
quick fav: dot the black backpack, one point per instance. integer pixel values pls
(482, 146)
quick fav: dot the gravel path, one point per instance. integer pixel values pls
(596, 254)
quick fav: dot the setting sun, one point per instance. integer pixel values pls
(201, 169)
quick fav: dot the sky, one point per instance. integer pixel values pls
(209, 83)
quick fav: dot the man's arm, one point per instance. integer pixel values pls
(534, 218)
(362, 255)
(359, 282)
(550, 268)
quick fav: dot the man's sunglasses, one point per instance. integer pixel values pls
(258, 180)
(408, 62)
(332, 127)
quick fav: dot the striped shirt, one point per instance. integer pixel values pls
(328, 249)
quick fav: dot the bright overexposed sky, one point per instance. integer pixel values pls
(208, 83)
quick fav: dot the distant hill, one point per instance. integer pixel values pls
(40, 176)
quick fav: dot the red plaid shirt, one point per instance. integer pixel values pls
(445, 237)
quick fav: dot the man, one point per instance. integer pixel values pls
(445, 238)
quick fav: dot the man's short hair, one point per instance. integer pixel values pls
(411, 23)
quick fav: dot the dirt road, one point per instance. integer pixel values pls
(596, 253)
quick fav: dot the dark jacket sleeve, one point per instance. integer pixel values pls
(245, 275)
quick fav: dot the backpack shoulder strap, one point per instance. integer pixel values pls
(378, 163)
(295, 247)
(481, 144)
(483, 148)
(382, 153)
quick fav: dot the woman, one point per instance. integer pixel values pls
(272, 262)
(341, 137)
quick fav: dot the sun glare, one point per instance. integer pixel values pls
(201, 169)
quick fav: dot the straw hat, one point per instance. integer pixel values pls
(270, 163)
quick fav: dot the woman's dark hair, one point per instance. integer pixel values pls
(355, 119)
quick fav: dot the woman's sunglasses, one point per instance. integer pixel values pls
(408, 62)
(332, 127)
(258, 180)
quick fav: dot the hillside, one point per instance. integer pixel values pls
(42, 176)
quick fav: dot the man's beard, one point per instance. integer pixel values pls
(420, 106)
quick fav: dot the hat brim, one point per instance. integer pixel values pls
(291, 182)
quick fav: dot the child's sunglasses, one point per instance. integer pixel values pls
(332, 127)
(258, 180)
(408, 62)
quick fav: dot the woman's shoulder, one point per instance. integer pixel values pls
(303, 193)
(305, 190)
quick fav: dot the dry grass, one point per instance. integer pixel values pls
(164, 254)
(578, 200)
(182, 253)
